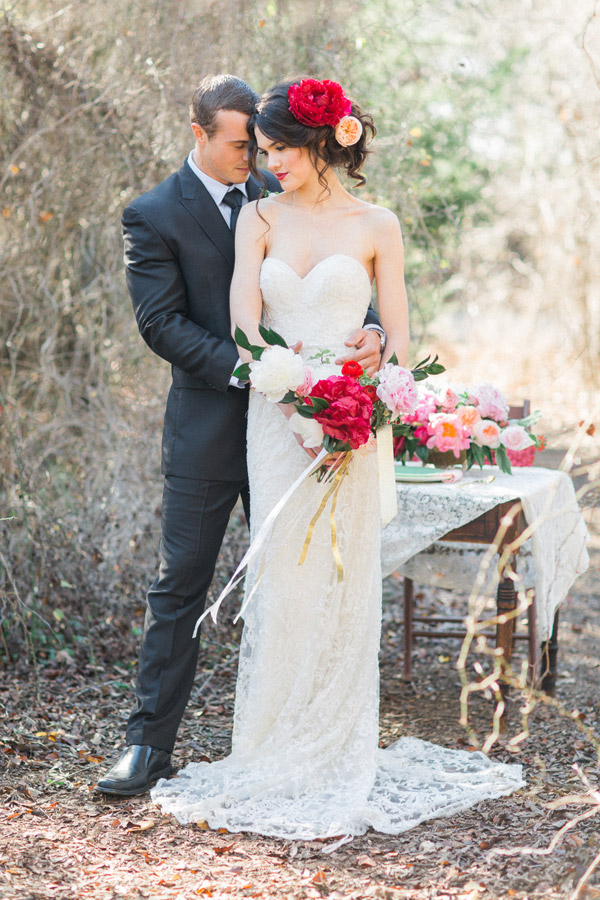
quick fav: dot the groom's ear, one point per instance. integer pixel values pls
(199, 133)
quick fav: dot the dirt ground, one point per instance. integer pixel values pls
(61, 727)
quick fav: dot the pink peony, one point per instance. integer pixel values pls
(514, 437)
(486, 433)
(490, 402)
(397, 389)
(446, 433)
(426, 406)
(422, 434)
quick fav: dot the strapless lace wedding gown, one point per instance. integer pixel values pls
(305, 759)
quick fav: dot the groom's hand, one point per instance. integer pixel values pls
(367, 350)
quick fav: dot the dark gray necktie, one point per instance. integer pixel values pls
(234, 199)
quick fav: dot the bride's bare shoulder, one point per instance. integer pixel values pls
(256, 213)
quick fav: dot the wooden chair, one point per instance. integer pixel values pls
(482, 531)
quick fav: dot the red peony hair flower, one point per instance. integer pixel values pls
(348, 416)
(316, 103)
(352, 368)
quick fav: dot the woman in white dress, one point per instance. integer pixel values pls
(305, 760)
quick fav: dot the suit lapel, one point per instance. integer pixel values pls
(198, 202)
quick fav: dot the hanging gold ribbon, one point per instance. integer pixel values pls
(332, 492)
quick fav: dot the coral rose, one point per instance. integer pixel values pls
(348, 416)
(468, 416)
(486, 433)
(348, 131)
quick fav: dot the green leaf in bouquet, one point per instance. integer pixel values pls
(489, 454)
(319, 404)
(393, 360)
(333, 445)
(477, 454)
(242, 372)
(419, 374)
(242, 341)
(306, 411)
(503, 461)
(271, 337)
(422, 452)
(290, 397)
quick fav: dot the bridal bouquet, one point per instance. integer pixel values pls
(342, 412)
(470, 423)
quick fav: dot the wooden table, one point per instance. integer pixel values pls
(500, 526)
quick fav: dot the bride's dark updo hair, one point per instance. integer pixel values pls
(275, 120)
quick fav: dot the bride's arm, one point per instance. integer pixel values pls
(391, 290)
(245, 300)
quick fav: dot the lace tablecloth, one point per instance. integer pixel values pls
(555, 555)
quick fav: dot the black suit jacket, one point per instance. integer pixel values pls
(179, 255)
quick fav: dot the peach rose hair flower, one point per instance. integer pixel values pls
(348, 131)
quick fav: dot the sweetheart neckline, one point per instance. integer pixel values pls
(316, 266)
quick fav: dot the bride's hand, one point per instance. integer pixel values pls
(367, 350)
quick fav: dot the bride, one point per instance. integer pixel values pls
(305, 760)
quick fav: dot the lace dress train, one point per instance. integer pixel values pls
(305, 760)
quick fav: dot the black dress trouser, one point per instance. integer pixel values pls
(194, 520)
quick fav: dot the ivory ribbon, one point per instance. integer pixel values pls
(258, 542)
(387, 475)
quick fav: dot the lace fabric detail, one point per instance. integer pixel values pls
(305, 761)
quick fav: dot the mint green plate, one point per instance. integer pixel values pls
(422, 474)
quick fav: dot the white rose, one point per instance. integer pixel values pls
(514, 437)
(278, 371)
(309, 430)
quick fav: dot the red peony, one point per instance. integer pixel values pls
(348, 416)
(316, 103)
(352, 368)
(370, 390)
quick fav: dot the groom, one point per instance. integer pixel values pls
(179, 255)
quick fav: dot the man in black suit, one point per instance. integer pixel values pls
(179, 255)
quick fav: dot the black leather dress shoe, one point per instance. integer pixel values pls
(136, 770)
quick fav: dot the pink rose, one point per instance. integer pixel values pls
(514, 437)
(486, 433)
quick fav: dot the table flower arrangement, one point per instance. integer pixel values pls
(471, 425)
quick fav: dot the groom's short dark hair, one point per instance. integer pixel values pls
(217, 92)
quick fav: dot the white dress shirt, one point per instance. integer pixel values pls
(217, 189)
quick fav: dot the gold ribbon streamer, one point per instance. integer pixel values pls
(334, 544)
(333, 490)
